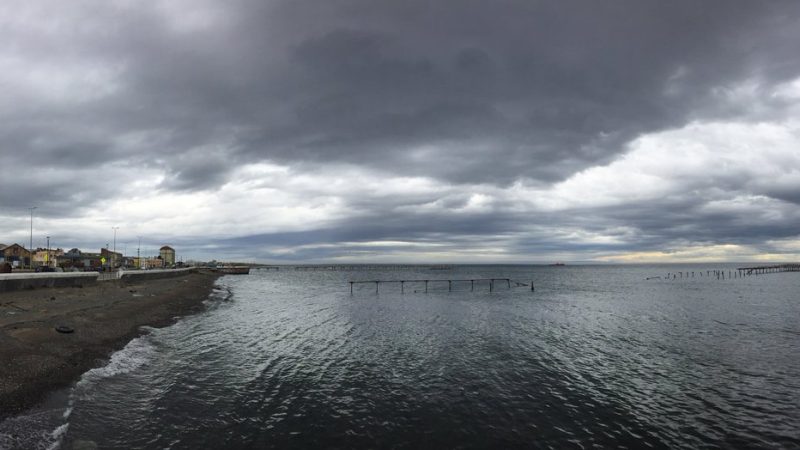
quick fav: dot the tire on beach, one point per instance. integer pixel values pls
(64, 329)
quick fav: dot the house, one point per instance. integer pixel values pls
(167, 254)
(113, 259)
(17, 255)
(80, 260)
(152, 263)
(45, 257)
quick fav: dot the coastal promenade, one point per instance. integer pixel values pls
(29, 280)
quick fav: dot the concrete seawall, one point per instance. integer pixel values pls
(143, 275)
(18, 281)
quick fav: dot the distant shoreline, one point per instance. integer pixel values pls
(102, 318)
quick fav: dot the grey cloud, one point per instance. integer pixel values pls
(501, 90)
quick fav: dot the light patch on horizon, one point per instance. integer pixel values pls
(705, 254)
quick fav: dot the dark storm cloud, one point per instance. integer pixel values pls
(496, 90)
(516, 89)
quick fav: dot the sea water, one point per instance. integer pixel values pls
(594, 356)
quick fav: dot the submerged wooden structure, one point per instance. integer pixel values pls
(740, 272)
(427, 283)
(359, 267)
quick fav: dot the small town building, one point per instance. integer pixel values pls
(45, 257)
(80, 260)
(17, 255)
(167, 254)
(113, 259)
(152, 263)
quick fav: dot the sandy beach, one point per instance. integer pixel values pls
(37, 359)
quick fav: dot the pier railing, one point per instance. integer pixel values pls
(427, 283)
(723, 274)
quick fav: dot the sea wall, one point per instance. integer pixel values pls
(18, 281)
(143, 275)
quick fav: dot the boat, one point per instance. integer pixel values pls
(558, 264)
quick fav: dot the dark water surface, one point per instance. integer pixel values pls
(596, 356)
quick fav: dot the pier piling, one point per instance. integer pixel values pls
(450, 283)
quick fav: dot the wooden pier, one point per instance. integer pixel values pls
(370, 267)
(759, 270)
(427, 283)
(729, 274)
(351, 267)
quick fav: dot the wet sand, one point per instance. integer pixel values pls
(35, 359)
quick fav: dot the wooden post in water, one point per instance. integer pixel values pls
(402, 287)
(491, 285)
(508, 281)
(531, 285)
(376, 286)
(471, 285)
(449, 286)
(351, 288)
(426, 286)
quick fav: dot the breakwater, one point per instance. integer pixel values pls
(19, 281)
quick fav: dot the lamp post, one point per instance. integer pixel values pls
(48, 251)
(30, 248)
(139, 253)
(114, 255)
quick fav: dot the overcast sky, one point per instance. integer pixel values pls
(409, 131)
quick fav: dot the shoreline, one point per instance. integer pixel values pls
(37, 359)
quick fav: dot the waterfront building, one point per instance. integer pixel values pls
(45, 257)
(113, 259)
(17, 255)
(167, 254)
(80, 260)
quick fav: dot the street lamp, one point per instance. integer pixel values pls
(139, 253)
(30, 255)
(114, 255)
(48, 251)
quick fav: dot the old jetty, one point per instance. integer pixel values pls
(440, 282)
(740, 272)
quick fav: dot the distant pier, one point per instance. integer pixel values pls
(440, 282)
(758, 270)
(723, 274)
(352, 267)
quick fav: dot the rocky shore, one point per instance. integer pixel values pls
(36, 359)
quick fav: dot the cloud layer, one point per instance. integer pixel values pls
(405, 131)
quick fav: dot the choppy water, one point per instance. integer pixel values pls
(596, 356)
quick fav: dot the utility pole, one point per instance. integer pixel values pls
(48, 251)
(139, 253)
(30, 248)
(114, 255)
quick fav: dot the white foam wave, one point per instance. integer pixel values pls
(136, 354)
(32, 431)
(57, 435)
